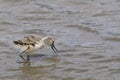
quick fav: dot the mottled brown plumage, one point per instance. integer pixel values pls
(28, 40)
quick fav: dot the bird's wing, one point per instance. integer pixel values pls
(28, 40)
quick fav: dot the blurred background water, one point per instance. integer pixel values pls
(87, 33)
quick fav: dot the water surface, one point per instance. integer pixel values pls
(87, 33)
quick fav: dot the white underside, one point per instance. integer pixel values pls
(39, 45)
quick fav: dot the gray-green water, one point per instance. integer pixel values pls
(87, 33)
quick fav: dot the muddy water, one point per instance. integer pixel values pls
(87, 33)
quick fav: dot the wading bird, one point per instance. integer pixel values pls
(33, 42)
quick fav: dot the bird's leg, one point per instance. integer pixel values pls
(28, 57)
(21, 54)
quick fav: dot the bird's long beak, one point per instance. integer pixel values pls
(54, 48)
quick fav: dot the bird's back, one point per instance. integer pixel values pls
(28, 40)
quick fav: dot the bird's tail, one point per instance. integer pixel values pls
(16, 42)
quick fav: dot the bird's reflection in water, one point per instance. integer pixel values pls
(30, 69)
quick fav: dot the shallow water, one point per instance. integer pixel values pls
(87, 33)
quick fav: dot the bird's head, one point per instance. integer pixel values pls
(50, 42)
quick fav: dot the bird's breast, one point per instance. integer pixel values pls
(39, 45)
